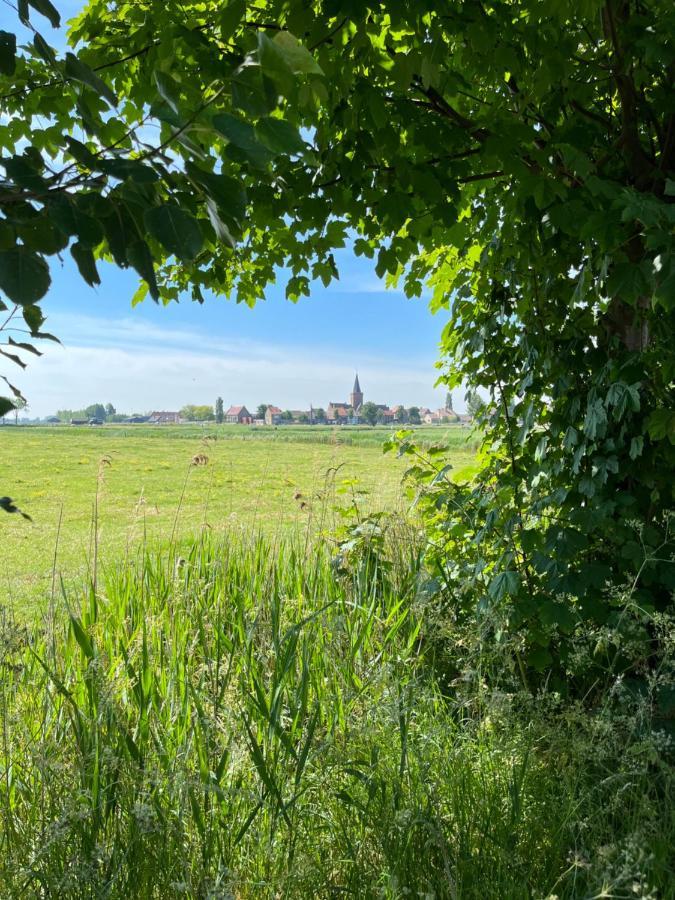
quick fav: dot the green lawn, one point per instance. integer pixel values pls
(147, 489)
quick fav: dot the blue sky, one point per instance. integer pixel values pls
(288, 354)
(153, 357)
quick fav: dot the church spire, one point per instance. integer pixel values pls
(356, 399)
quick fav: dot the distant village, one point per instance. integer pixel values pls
(354, 411)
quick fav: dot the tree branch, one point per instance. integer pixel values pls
(589, 114)
(441, 105)
(482, 176)
(330, 34)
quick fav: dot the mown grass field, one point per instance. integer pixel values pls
(139, 484)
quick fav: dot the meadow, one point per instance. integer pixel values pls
(153, 485)
(234, 678)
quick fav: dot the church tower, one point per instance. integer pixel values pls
(356, 398)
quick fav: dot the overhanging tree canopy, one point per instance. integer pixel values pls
(518, 155)
(429, 132)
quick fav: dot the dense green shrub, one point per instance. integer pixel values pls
(538, 588)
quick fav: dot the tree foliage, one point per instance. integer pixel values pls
(368, 413)
(517, 156)
(474, 405)
(96, 411)
(197, 413)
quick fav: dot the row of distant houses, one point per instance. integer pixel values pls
(235, 414)
(343, 415)
(335, 414)
(444, 417)
(155, 418)
(348, 412)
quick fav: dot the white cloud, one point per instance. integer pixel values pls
(357, 283)
(139, 366)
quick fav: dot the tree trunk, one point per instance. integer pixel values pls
(629, 323)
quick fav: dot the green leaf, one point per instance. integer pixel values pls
(595, 420)
(220, 228)
(63, 212)
(6, 406)
(139, 294)
(230, 17)
(77, 70)
(14, 358)
(42, 235)
(242, 135)
(280, 136)
(626, 281)
(636, 445)
(661, 425)
(82, 637)
(539, 658)
(274, 63)
(43, 49)
(24, 276)
(7, 236)
(176, 230)
(140, 258)
(72, 221)
(557, 614)
(23, 173)
(7, 53)
(48, 11)
(297, 58)
(505, 583)
(33, 317)
(16, 393)
(91, 123)
(120, 231)
(169, 90)
(81, 152)
(22, 8)
(129, 168)
(252, 92)
(665, 287)
(227, 192)
(22, 345)
(186, 141)
(85, 263)
(164, 113)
